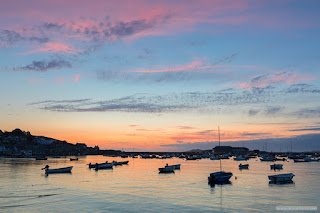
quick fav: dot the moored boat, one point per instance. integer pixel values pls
(93, 165)
(219, 177)
(281, 178)
(167, 169)
(58, 170)
(243, 166)
(103, 166)
(74, 159)
(276, 166)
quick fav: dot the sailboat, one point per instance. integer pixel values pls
(222, 176)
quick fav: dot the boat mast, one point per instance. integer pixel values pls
(219, 146)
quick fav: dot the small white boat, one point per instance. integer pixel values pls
(243, 166)
(281, 178)
(59, 170)
(276, 166)
(167, 169)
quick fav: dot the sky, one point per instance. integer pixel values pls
(149, 75)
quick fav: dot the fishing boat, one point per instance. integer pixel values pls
(74, 159)
(281, 178)
(243, 166)
(276, 166)
(167, 169)
(58, 170)
(222, 176)
(103, 166)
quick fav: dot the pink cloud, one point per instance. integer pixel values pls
(76, 78)
(55, 48)
(269, 79)
(189, 67)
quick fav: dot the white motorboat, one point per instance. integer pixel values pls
(58, 170)
(281, 178)
(276, 166)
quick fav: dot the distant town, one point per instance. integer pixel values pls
(23, 144)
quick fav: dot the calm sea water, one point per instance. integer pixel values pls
(138, 187)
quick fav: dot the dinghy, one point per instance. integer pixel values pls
(167, 169)
(281, 178)
(243, 166)
(276, 166)
(58, 170)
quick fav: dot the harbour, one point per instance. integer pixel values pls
(138, 186)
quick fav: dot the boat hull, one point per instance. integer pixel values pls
(281, 178)
(219, 177)
(245, 166)
(177, 166)
(103, 166)
(276, 166)
(60, 170)
(167, 169)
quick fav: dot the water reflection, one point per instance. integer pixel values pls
(272, 183)
(212, 185)
(139, 187)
